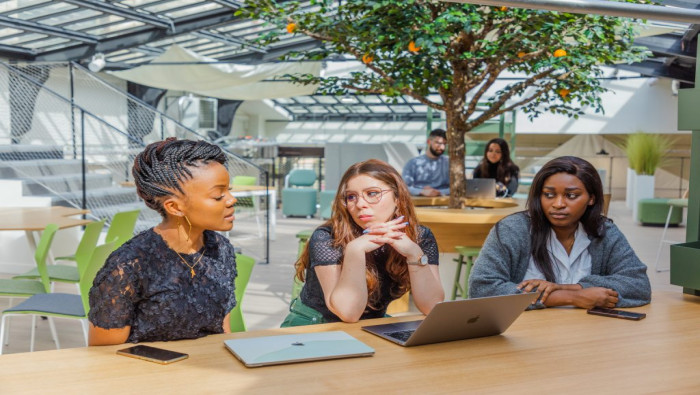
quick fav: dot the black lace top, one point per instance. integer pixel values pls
(323, 253)
(146, 285)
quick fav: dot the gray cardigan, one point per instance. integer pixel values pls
(504, 259)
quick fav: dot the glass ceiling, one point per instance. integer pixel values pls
(133, 32)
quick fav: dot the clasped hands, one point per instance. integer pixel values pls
(430, 191)
(576, 295)
(391, 233)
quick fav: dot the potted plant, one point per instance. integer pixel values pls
(645, 153)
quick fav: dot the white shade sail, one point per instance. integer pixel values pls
(176, 69)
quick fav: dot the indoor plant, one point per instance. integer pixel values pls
(645, 153)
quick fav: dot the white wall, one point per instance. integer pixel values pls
(631, 105)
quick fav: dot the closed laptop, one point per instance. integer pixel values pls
(301, 347)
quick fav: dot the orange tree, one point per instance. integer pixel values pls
(421, 47)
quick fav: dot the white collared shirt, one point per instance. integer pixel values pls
(568, 269)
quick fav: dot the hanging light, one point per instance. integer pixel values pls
(97, 62)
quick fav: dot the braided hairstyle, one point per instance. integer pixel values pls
(161, 168)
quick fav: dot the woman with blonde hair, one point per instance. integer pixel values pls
(371, 252)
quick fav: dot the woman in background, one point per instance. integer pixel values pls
(371, 252)
(175, 280)
(573, 255)
(497, 164)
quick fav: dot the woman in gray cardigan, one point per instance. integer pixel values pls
(562, 246)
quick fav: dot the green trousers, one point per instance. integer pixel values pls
(301, 314)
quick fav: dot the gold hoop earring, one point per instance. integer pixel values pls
(190, 229)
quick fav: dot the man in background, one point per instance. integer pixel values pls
(429, 174)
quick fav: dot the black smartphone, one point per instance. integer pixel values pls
(153, 354)
(625, 315)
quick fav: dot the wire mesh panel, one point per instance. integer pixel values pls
(80, 154)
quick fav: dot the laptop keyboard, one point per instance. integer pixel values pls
(401, 335)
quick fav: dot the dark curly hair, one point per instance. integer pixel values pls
(161, 168)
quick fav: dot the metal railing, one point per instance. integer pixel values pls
(72, 136)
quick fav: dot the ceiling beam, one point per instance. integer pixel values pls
(46, 29)
(682, 3)
(129, 13)
(658, 69)
(599, 7)
(143, 36)
(230, 4)
(667, 45)
(14, 52)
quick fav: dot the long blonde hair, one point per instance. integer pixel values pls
(344, 229)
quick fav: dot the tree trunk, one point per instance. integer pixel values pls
(456, 152)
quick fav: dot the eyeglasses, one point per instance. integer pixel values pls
(370, 195)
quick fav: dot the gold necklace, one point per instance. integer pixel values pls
(192, 273)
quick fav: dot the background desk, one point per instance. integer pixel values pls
(565, 350)
(465, 227)
(33, 220)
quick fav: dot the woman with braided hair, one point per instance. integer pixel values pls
(175, 280)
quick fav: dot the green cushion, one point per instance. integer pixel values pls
(60, 273)
(302, 177)
(655, 211)
(299, 201)
(20, 288)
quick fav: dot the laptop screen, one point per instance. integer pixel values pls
(483, 188)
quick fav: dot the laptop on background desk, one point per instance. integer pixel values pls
(301, 347)
(457, 320)
(481, 188)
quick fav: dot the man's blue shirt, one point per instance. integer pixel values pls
(422, 171)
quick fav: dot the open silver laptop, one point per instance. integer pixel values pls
(481, 188)
(300, 347)
(457, 320)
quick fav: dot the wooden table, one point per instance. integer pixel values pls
(468, 226)
(564, 350)
(34, 219)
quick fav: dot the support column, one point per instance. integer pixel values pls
(685, 258)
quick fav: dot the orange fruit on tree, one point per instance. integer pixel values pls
(559, 53)
(412, 47)
(521, 54)
(291, 27)
(367, 58)
(504, 8)
(563, 93)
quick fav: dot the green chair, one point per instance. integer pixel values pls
(121, 228)
(60, 304)
(23, 288)
(303, 237)
(298, 199)
(246, 201)
(16, 288)
(244, 266)
(70, 273)
(466, 257)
